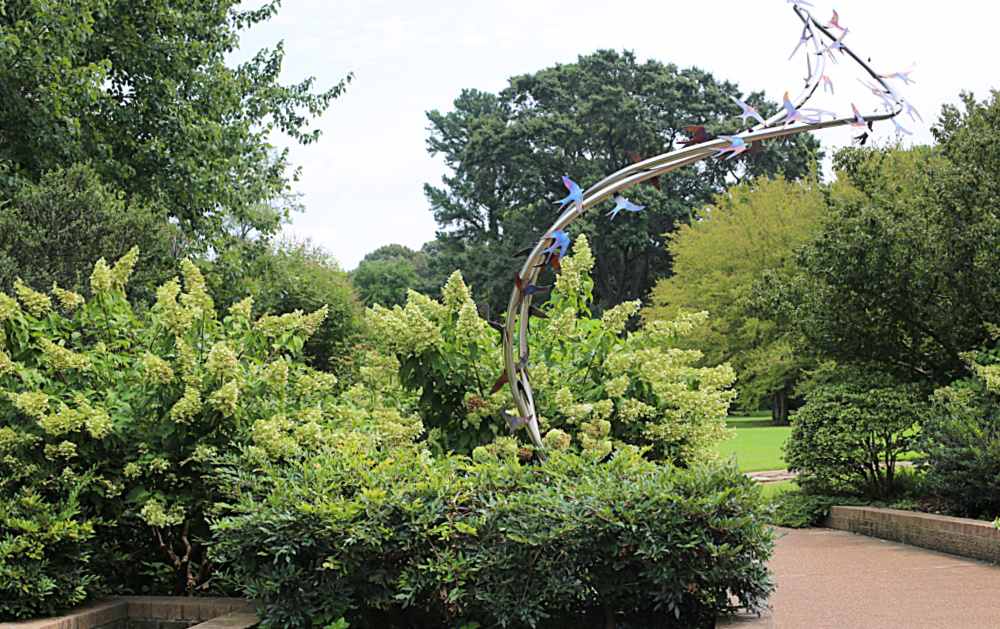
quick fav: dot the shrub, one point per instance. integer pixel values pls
(851, 431)
(962, 439)
(54, 230)
(797, 509)
(592, 380)
(406, 540)
(45, 550)
(143, 403)
(287, 276)
(386, 275)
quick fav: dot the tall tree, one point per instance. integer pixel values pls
(904, 271)
(507, 151)
(141, 91)
(751, 229)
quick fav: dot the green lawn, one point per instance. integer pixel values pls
(755, 443)
(773, 489)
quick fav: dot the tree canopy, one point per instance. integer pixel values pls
(142, 93)
(717, 259)
(903, 273)
(385, 275)
(507, 151)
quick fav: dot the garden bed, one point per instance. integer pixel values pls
(151, 612)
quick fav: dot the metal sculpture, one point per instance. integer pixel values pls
(700, 146)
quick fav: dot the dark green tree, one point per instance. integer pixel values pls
(287, 276)
(507, 151)
(142, 92)
(717, 260)
(53, 231)
(904, 271)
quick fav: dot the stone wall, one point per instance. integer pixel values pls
(151, 612)
(959, 536)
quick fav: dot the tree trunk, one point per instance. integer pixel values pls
(779, 408)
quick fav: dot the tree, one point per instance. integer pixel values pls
(903, 272)
(385, 275)
(54, 231)
(507, 151)
(855, 425)
(288, 276)
(962, 438)
(142, 93)
(752, 228)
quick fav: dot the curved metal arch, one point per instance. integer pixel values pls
(518, 310)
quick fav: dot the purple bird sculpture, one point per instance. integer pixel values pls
(902, 76)
(736, 146)
(560, 244)
(747, 111)
(698, 135)
(877, 90)
(575, 193)
(793, 114)
(900, 128)
(514, 422)
(911, 111)
(859, 120)
(529, 289)
(806, 36)
(835, 23)
(621, 203)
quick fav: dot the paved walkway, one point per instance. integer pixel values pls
(772, 476)
(830, 579)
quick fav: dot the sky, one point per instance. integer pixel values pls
(362, 181)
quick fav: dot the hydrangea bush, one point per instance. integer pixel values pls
(596, 384)
(112, 420)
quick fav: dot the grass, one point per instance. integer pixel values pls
(771, 490)
(756, 444)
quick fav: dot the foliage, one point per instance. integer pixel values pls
(142, 402)
(962, 440)
(797, 508)
(903, 273)
(45, 549)
(592, 380)
(717, 259)
(800, 509)
(291, 276)
(142, 92)
(53, 231)
(385, 275)
(851, 431)
(397, 539)
(507, 151)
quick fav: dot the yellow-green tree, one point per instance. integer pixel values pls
(751, 229)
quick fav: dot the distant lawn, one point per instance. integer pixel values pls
(771, 490)
(756, 444)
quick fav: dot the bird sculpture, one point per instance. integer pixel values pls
(621, 203)
(575, 193)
